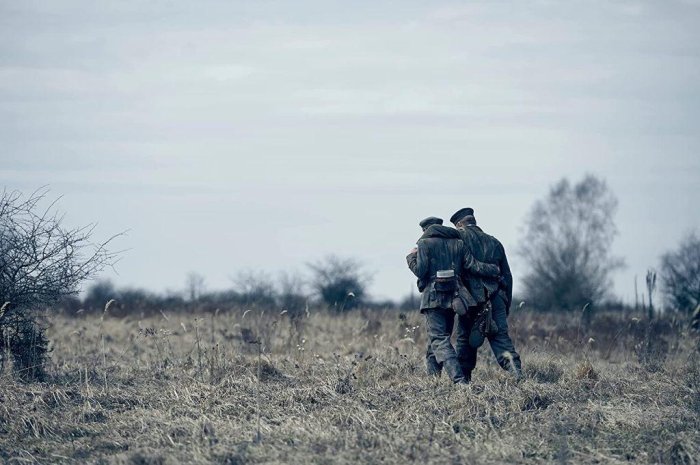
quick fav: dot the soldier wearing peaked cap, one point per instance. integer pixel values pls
(496, 292)
(437, 262)
(429, 221)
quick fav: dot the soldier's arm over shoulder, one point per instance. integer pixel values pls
(506, 276)
(422, 261)
(412, 261)
(503, 263)
(475, 267)
(420, 266)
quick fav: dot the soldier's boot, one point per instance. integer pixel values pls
(434, 370)
(514, 367)
(454, 370)
(467, 375)
(467, 369)
(433, 367)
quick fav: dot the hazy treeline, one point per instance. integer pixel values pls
(265, 295)
(338, 284)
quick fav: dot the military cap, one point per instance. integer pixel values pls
(460, 214)
(429, 221)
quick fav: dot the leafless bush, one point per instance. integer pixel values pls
(340, 283)
(41, 261)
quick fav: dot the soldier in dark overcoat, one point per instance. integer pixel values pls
(439, 252)
(498, 292)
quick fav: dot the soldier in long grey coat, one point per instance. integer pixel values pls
(433, 367)
(499, 291)
(440, 248)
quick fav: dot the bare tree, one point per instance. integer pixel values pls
(255, 288)
(41, 261)
(291, 295)
(340, 283)
(567, 245)
(194, 285)
(680, 275)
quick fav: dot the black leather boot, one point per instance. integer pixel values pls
(454, 370)
(467, 375)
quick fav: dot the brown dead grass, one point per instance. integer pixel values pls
(349, 389)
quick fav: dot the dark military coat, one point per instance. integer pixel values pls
(441, 248)
(488, 249)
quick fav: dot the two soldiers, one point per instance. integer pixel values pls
(463, 275)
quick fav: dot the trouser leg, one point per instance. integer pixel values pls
(501, 343)
(440, 323)
(466, 354)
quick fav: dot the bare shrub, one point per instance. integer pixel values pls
(41, 262)
(340, 283)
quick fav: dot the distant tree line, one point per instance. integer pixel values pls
(338, 284)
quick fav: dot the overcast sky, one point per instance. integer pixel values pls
(263, 135)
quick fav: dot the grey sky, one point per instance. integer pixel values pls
(263, 135)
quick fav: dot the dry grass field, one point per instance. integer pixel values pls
(261, 387)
